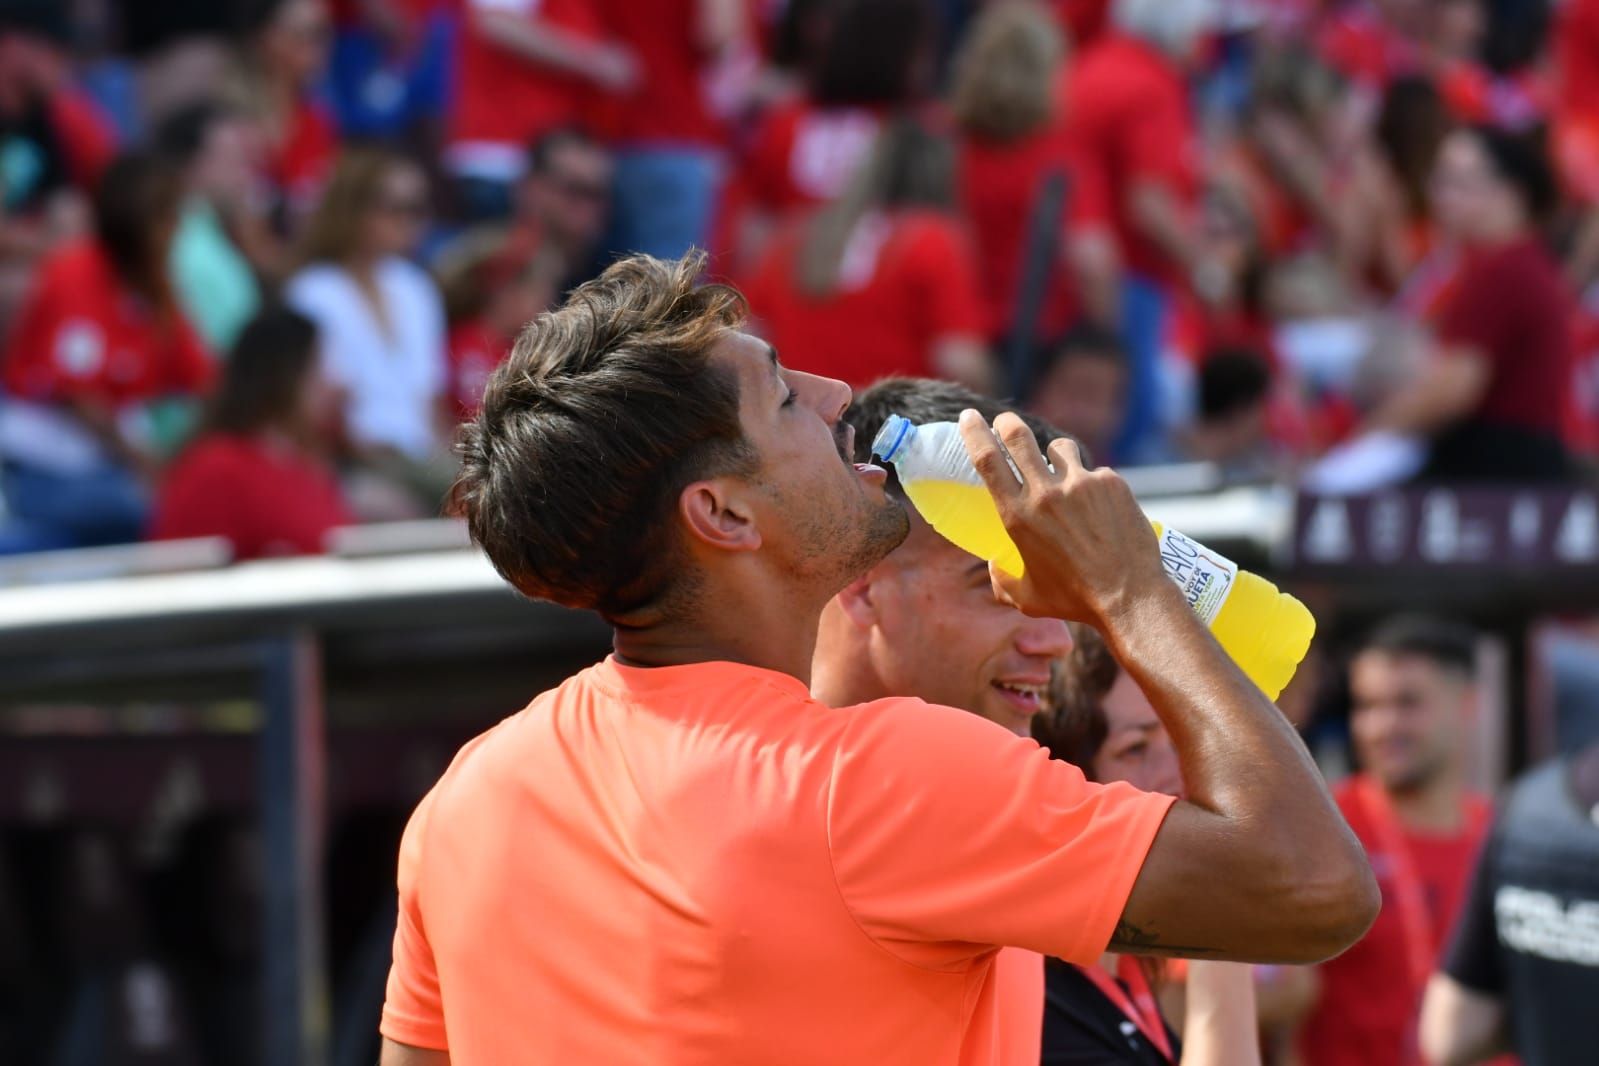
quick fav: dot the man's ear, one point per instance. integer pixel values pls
(857, 602)
(718, 516)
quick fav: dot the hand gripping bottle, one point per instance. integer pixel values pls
(1266, 632)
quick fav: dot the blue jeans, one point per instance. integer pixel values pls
(103, 506)
(1145, 307)
(664, 200)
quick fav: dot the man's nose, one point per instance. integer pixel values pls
(828, 397)
(1048, 637)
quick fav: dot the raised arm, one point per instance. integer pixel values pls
(1255, 863)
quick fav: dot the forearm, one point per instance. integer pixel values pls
(1158, 218)
(545, 44)
(1449, 387)
(1219, 1028)
(1256, 812)
(1460, 1026)
(719, 25)
(1240, 758)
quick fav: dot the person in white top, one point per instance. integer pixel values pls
(379, 314)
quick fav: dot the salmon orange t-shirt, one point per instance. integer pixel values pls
(702, 864)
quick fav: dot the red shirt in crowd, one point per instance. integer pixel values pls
(1128, 114)
(999, 189)
(1575, 140)
(1510, 305)
(474, 351)
(907, 280)
(83, 335)
(1370, 997)
(671, 104)
(503, 98)
(267, 498)
(804, 155)
(301, 161)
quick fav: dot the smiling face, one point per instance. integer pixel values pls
(824, 519)
(930, 626)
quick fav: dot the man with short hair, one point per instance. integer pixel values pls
(563, 201)
(1412, 687)
(925, 622)
(679, 856)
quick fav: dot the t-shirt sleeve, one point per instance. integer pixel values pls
(1473, 958)
(413, 1006)
(949, 836)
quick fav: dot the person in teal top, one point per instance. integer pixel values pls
(214, 280)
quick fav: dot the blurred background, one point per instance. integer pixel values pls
(1321, 276)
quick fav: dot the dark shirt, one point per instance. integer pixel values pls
(1529, 933)
(1084, 1028)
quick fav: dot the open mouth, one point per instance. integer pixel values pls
(1025, 696)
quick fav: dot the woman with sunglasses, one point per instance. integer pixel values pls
(380, 317)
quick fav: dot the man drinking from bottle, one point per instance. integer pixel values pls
(679, 856)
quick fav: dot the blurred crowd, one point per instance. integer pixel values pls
(257, 257)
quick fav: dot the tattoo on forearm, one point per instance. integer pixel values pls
(1131, 939)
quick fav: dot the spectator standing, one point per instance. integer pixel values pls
(1108, 1012)
(1012, 140)
(1523, 971)
(213, 276)
(877, 58)
(100, 336)
(880, 282)
(258, 473)
(670, 124)
(1130, 114)
(379, 315)
(1489, 394)
(1412, 691)
(284, 58)
(524, 67)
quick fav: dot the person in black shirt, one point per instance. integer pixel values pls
(1108, 1015)
(1522, 973)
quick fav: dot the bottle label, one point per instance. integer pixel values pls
(1204, 577)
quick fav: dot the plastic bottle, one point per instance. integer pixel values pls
(1266, 632)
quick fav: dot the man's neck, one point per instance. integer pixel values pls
(775, 633)
(1435, 807)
